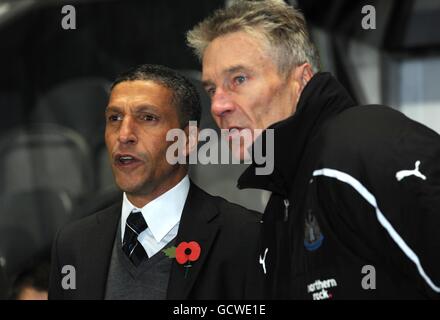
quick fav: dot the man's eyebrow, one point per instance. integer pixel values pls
(230, 70)
(112, 109)
(237, 68)
(145, 108)
(138, 108)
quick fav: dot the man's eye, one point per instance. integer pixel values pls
(114, 117)
(149, 117)
(210, 91)
(239, 79)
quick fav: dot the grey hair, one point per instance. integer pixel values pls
(279, 24)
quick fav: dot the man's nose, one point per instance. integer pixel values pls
(221, 104)
(127, 131)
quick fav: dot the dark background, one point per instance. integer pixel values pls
(54, 86)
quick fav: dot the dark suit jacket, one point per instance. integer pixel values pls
(227, 268)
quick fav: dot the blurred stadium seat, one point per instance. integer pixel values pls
(45, 156)
(78, 104)
(28, 223)
(4, 284)
(101, 199)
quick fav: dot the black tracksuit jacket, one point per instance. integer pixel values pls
(355, 205)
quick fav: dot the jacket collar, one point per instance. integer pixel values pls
(322, 98)
(96, 254)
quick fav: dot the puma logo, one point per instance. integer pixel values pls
(406, 173)
(263, 260)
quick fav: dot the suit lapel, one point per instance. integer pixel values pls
(198, 224)
(97, 252)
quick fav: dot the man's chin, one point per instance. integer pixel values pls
(129, 187)
(240, 146)
(127, 190)
(241, 153)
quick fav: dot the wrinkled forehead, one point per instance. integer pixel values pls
(130, 93)
(232, 51)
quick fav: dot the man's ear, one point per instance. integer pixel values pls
(192, 135)
(301, 76)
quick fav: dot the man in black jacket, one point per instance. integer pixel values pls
(165, 238)
(355, 204)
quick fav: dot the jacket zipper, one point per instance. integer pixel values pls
(286, 209)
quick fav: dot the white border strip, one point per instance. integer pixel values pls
(344, 177)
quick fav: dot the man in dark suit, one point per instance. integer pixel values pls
(126, 251)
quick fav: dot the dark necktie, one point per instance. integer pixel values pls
(134, 250)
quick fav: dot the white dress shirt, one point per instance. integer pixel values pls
(162, 216)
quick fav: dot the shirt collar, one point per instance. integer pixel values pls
(161, 214)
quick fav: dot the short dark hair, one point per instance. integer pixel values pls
(34, 275)
(185, 96)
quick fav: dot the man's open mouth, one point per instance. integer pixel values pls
(125, 160)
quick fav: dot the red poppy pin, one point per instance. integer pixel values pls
(185, 253)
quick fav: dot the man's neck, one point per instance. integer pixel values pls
(139, 200)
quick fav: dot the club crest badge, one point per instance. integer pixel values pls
(313, 237)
